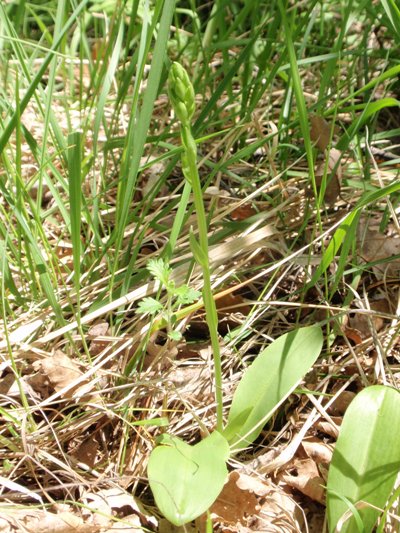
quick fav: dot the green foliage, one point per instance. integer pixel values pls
(176, 296)
(186, 480)
(261, 68)
(366, 460)
(393, 14)
(161, 271)
(149, 305)
(269, 380)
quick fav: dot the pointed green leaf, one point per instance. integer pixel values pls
(366, 460)
(197, 251)
(268, 381)
(186, 480)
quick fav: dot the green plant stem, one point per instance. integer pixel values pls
(209, 302)
(182, 98)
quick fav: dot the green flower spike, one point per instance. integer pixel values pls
(181, 93)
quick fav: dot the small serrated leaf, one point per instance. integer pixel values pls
(149, 305)
(159, 270)
(186, 295)
(175, 335)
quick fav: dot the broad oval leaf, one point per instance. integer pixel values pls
(268, 381)
(366, 460)
(186, 480)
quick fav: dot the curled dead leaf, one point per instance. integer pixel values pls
(59, 371)
(317, 450)
(328, 428)
(304, 476)
(352, 334)
(320, 132)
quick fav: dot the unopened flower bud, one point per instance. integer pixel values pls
(181, 93)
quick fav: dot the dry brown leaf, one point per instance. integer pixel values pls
(376, 246)
(59, 371)
(329, 429)
(279, 514)
(352, 334)
(86, 451)
(365, 324)
(305, 478)
(10, 387)
(97, 344)
(332, 190)
(242, 212)
(234, 504)
(37, 521)
(317, 450)
(320, 132)
(6, 383)
(340, 404)
(232, 303)
(253, 484)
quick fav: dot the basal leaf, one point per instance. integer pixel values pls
(186, 480)
(268, 381)
(366, 460)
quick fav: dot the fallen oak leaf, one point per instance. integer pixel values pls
(60, 372)
(235, 504)
(305, 478)
(320, 132)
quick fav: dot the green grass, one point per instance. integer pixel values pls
(91, 189)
